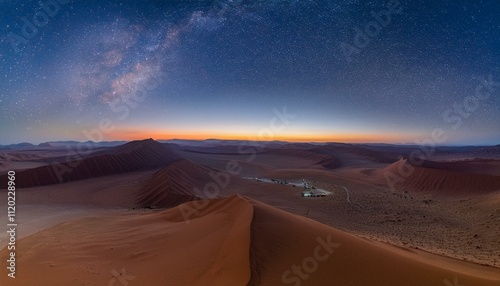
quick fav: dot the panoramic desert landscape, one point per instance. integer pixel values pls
(151, 213)
(249, 143)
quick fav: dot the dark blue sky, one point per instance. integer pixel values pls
(205, 69)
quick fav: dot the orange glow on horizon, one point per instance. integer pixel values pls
(130, 135)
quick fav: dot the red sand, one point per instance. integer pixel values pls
(230, 241)
(436, 178)
(180, 182)
(239, 241)
(133, 156)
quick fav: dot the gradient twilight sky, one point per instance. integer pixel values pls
(218, 68)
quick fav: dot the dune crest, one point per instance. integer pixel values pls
(157, 248)
(228, 241)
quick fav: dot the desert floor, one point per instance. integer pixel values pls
(74, 228)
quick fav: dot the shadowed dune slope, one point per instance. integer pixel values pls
(439, 178)
(154, 248)
(328, 256)
(230, 241)
(180, 182)
(132, 156)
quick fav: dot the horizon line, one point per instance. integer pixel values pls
(248, 140)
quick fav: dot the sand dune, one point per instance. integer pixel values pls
(230, 241)
(156, 248)
(238, 241)
(133, 156)
(479, 166)
(348, 154)
(325, 160)
(180, 182)
(280, 240)
(449, 178)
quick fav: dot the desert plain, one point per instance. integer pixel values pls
(218, 212)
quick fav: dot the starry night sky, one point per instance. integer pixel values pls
(217, 69)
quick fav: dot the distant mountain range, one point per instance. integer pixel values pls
(218, 142)
(61, 144)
